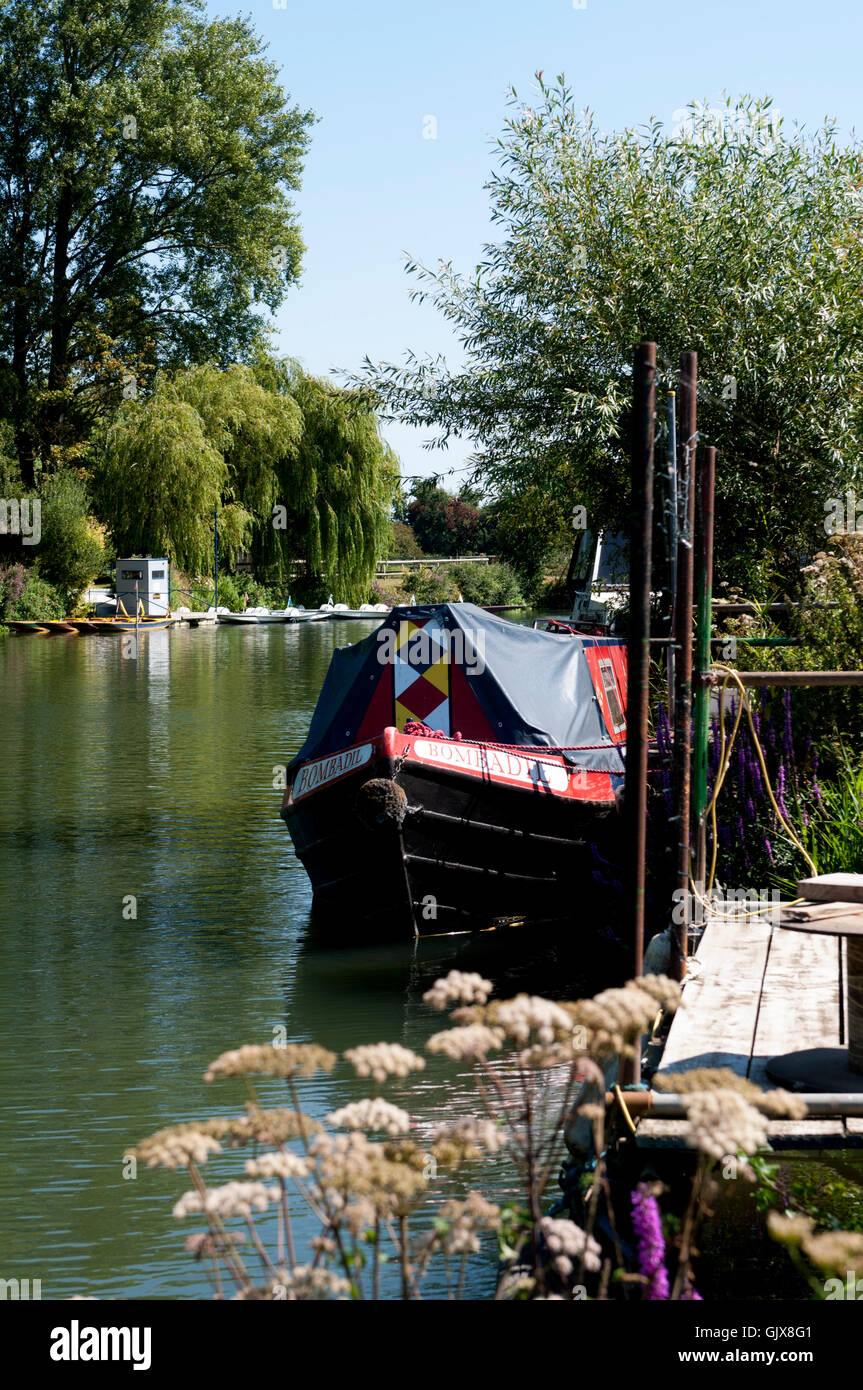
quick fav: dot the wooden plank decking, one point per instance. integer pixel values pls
(755, 991)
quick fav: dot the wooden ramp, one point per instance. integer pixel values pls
(755, 991)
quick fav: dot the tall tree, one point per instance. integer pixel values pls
(337, 488)
(146, 160)
(203, 438)
(297, 468)
(731, 235)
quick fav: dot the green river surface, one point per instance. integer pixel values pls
(153, 777)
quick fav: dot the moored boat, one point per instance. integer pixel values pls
(459, 770)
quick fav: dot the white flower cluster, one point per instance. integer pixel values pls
(466, 1044)
(178, 1150)
(470, 1132)
(529, 1013)
(376, 1115)
(233, 1199)
(310, 1283)
(380, 1060)
(465, 1220)
(458, 987)
(722, 1122)
(278, 1165)
(567, 1243)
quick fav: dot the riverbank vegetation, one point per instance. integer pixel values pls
(391, 1195)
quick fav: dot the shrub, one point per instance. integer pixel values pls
(202, 594)
(26, 597)
(433, 585)
(487, 584)
(405, 545)
(830, 638)
(72, 548)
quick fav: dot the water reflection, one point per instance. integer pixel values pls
(149, 781)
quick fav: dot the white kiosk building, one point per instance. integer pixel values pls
(146, 580)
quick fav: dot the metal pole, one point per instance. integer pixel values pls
(638, 653)
(706, 491)
(216, 555)
(671, 414)
(683, 653)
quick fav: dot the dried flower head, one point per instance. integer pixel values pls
(467, 1044)
(458, 987)
(376, 1115)
(283, 1164)
(466, 1139)
(615, 1017)
(380, 1060)
(350, 1167)
(721, 1122)
(179, 1145)
(777, 1103)
(232, 1199)
(464, 1220)
(529, 1017)
(294, 1059)
(567, 1242)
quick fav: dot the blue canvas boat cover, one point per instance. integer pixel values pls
(459, 670)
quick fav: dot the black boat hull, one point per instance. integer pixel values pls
(398, 848)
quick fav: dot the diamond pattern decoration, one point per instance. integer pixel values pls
(421, 684)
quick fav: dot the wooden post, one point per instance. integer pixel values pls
(683, 650)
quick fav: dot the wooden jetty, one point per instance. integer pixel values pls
(754, 991)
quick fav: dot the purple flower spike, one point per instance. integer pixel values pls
(647, 1225)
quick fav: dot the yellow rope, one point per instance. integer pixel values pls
(618, 1094)
(725, 763)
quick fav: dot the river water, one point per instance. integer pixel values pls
(153, 914)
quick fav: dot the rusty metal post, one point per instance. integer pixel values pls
(706, 490)
(683, 653)
(638, 653)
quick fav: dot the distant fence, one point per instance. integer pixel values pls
(387, 567)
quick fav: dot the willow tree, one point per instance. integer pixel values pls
(147, 157)
(296, 467)
(337, 488)
(203, 439)
(732, 235)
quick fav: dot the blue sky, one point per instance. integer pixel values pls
(374, 187)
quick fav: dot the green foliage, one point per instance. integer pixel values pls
(296, 466)
(431, 585)
(158, 479)
(337, 488)
(828, 818)
(147, 154)
(202, 595)
(829, 630)
(743, 244)
(25, 596)
(71, 552)
(203, 438)
(487, 584)
(404, 543)
(443, 524)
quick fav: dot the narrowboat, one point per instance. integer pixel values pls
(460, 771)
